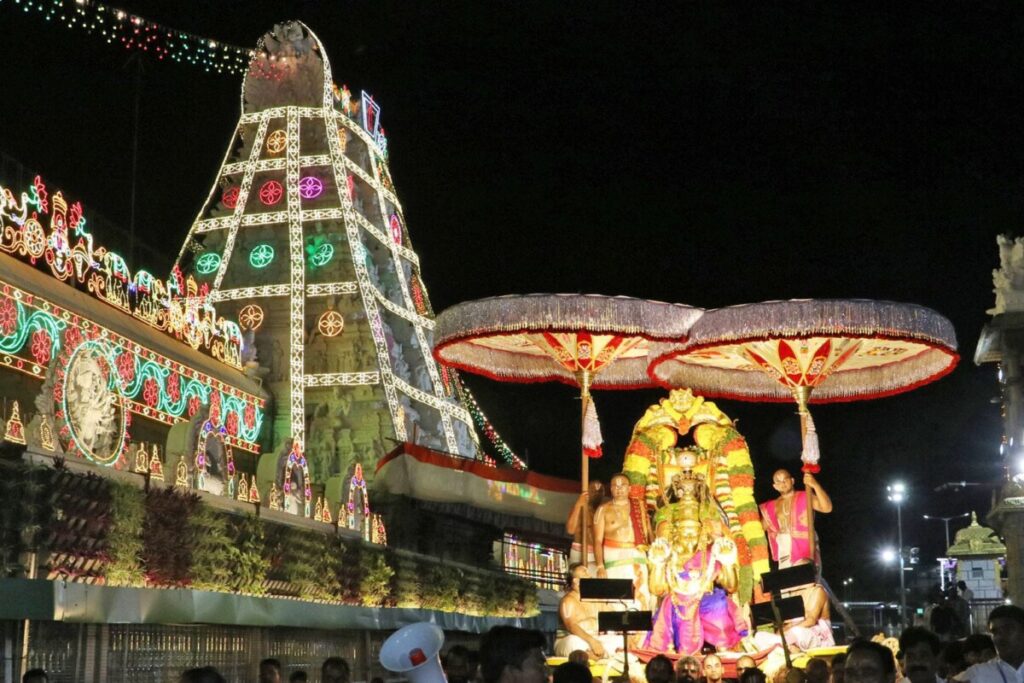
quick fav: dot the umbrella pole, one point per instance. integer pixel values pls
(584, 377)
(802, 394)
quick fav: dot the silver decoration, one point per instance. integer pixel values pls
(514, 315)
(801, 318)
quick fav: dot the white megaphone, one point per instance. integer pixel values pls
(414, 651)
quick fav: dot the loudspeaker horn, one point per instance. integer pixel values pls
(414, 650)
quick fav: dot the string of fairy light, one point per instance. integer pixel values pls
(138, 34)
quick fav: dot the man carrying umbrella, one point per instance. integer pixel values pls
(787, 518)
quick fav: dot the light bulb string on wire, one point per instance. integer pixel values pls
(136, 33)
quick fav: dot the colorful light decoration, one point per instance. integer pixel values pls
(14, 430)
(354, 213)
(135, 33)
(208, 263)
(229, 197)
(86, 371)
(271, 192)
(220, 433)
(357, 487)
(152, 385)
(322, 255)
(261, 255)
(396, 229)
(277, 141)
(331, 323)
(297, 459)
(310, 187)
(250, 317)
(177, 306)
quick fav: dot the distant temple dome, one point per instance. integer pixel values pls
(976, 540)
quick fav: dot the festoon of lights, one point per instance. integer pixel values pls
(138, 34)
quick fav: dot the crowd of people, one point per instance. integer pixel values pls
(513, 655)
(333, 670)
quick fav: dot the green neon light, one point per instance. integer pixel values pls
(208, 263)
(261, 255)
(322, 256)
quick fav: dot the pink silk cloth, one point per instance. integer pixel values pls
(800, 548)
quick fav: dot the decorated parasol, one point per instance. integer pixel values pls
(809, 350)
(584, 340)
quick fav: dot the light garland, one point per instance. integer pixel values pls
(135, 33)
(483, 424)
(151, 384)
(261, 256)
(177, 306)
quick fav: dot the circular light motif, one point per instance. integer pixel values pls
(271, 192)
(277, 141)
(331, 324)
(322, 256)
(230, 197)
(310, 187)
(396, 229)
(208, 263)
(261, 256)
(250, 317)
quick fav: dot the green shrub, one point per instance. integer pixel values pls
(124, 542)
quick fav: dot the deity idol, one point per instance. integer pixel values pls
(694, 564)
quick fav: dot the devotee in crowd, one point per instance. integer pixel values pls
(270, 671)
(951, 659)
(978, 648)
(456, 664)
(920, 649)
(838, 666)
(35, 676)
(579, 621)
(688, 667)
(205, 674)
(590, 500)
(301, 677)
(580, 657)
(816, 670)
(752, 675)
(966, 593)
(1006, 624)
(571, 673)
(334, 670)
(659, 670)
(714, 670)
(868, 662)
(745, 662)
(513, 655)
(786, 519)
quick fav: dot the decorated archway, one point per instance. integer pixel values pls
(296, 460)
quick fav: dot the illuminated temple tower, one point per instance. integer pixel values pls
(303, 240)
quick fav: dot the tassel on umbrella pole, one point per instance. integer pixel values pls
(809, 445)
(584, 379)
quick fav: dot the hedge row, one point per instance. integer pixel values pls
(97, 530)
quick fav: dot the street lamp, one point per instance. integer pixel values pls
(897, 494)
(947, 520)
(847, 582)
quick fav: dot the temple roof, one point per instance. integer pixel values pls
(976, 540)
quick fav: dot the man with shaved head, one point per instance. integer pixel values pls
(786, 519)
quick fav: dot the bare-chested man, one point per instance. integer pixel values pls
(620, 541)
(786, 518)
(579, 622)
(815, 629)
(574, 525)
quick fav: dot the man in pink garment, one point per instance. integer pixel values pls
(786, 519)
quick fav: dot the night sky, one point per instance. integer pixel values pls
(711, 154)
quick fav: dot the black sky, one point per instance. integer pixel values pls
(707, 153)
